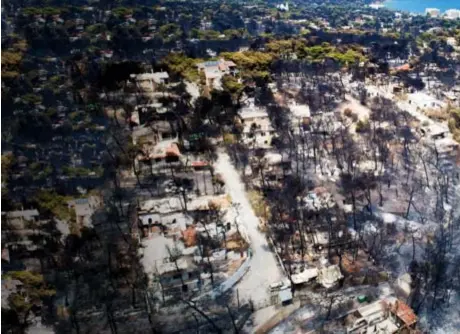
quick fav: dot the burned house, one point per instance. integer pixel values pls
(327, 229)
(176, 243)
(273, 169)
(300, 117)
(150, 81)
(257, 130)
(84, 209)
(385, 316)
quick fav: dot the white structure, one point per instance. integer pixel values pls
(205, 25)
(404, 283)
(376, 5)
(9, 287)
(214, 71)
(166, 205)
(283, 7)
(177, 220)
(84, 209)
(317, 199)
(434, 131)
(300, 115)
(445, 146)
(451, 41)
(272, 159)
(422, 101)
(160, 77)
(157, 261)
(329, 276)
(450, 96)
(257, 128)
(368, 316)
(149, 81)
(211, 53)
(305, 276)
(433, 12)
(385, 316)
(285, 296)
(452, 14)
(19, 217)
(370, 313)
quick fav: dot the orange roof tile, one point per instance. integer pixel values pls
(173, 150)
(200, 163)
(405, 68)
(404, 312)
(229, 63)
(163, 151)
(190, 236)
(320, 191)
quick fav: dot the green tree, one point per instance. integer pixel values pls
(363, 125)
(231, 84)
(235, 33)
(7, 162)
(180, 64)
(96, 28)
(347, 58)
(31, 99)
(10, 64)
(31, 293)
(52, 203)
(169, 31)
(280, 46)
(121, 11)
(252, 64)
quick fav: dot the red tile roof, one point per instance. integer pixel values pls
(199, 164)
(405, 68)
(229, 63)
(404, 312)
(163, 151)
(320, 191)
(190, 236)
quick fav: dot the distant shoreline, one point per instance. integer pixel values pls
(414, 6)
(377, 5)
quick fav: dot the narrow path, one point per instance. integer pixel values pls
(264, 269)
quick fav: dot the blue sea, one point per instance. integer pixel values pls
(418, 6)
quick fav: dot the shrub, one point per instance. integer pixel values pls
(440, 115)
(229, 138)
(362, 126)
(348, 112)
(258, 204)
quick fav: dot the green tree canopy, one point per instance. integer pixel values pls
(52, 203)
(32, 292)
(11, 61)
(180, 64)
(231, 85)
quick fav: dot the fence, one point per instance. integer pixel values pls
(278, 257)
(303, 298)
(231, 281)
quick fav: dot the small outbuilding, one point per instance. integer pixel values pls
(285, 296)
(404, 283)
(305, 276)
(329, 276)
